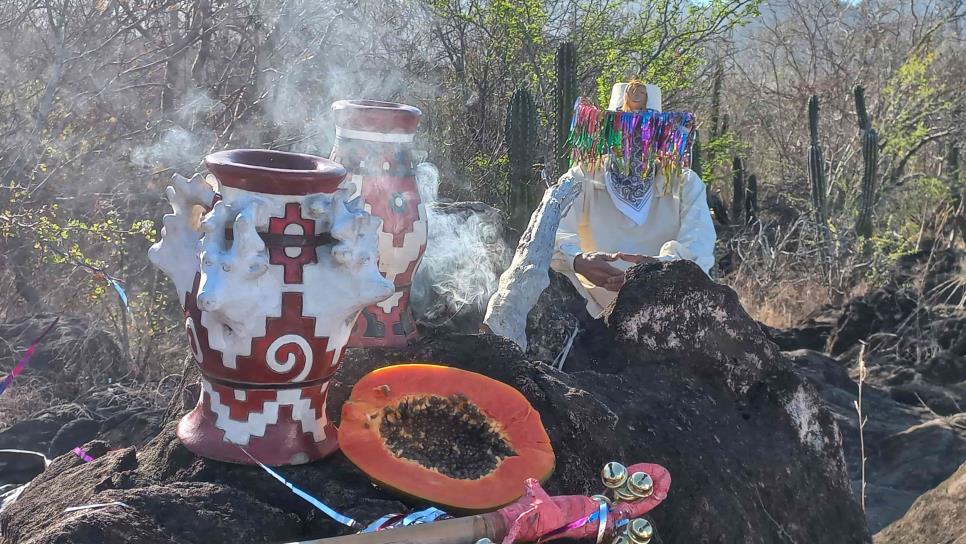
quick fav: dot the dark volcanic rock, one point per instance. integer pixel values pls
(937, 517)
(114, 414)
(75, 433)
(908, 449)
(918, 280)
(551, 323)
(913, 331)
(20, 466)
(883, 309)
(812, 333)
(678, 375)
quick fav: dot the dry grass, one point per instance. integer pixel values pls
(26, 396)
(784, 273)
(776, 277)
(780, 303)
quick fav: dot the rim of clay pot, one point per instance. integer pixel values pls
(376, 116)
(275, 172)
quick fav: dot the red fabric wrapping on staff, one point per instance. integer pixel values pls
(537, 514)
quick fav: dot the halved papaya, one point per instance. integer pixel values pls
(450, 437)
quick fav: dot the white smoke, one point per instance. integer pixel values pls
(178, 149)
(465, 254)
(195, 105)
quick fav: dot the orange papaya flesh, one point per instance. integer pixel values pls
(446, 436)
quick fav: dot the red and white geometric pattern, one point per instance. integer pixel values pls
(288, 351)
(277, 299)
(292, 259)
(276, 426)
(374, 144)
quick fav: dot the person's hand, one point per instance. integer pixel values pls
(637, 259)
(615, 283)
(594, 267)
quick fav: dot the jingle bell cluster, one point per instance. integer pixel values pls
(622, 487)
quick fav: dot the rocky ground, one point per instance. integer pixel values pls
(914, 332)
(677, 374)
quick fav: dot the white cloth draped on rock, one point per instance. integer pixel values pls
(677, 226)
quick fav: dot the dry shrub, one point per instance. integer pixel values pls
(24, 397)
(781, 303)
(783, 275)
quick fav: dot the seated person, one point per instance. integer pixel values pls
(630, 213)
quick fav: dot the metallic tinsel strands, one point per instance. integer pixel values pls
(596, 133)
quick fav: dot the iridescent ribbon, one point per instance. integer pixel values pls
(115, 284)
(78, 451)
(388, 521)
(595, 133)
(120, 292)
(419, 517)
(600, 516)
(343, 519)
(95, 506)
(26, 358)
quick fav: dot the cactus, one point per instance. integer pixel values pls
(738, 190)
(565, 95)
(521, 138)
(870, 159)
(952, 173)
(951, 165)
(696, 165)
(816, 167)
(716, 101)
(751, 200)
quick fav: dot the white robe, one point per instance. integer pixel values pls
(678, 226)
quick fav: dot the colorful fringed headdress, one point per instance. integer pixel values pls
(596, 133)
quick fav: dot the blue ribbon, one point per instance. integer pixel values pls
(120, 292)
(419, 517)
(344, 520)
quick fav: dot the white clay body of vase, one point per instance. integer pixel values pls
(272, 264)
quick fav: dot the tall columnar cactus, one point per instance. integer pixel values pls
(870, 159)
(521, 138)
(696, 164)
(816, 167)
(565, 95)
(738, 190)
(751, 200)
(952, 172)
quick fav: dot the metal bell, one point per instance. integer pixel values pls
(624, 495)
(484, 540)
(639, 531)
(613, 475)
(640, 484)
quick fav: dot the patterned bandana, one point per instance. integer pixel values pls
(630, 191)
(634, 146)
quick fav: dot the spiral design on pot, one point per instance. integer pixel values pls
(290, 346)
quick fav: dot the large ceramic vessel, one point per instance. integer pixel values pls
(272, 263)
(374, 143)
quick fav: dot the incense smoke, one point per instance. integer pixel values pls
(177, 149)
(464, 256)
(321, 56)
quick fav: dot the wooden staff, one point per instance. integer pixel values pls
(466, 530)
(537, 515)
